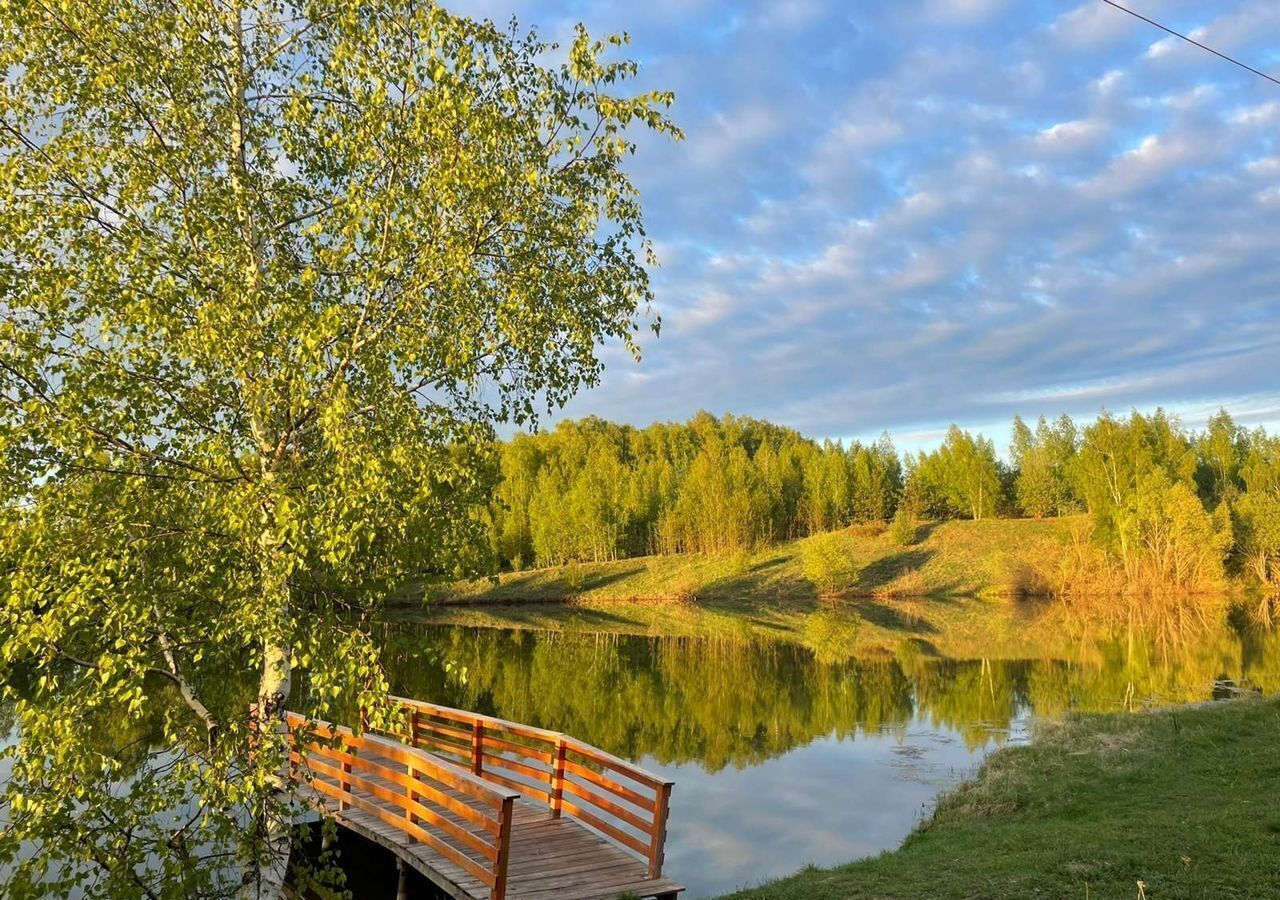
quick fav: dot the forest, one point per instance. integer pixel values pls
(1165, 504)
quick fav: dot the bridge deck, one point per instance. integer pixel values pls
(550, 859)
(503, 818)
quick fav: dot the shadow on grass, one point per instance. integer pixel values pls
(882, 572)
(925, 529)
(767, 564)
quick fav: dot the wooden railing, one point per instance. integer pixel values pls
(620, 800)
(354, 770)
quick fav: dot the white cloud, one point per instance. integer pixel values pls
(1070, 137)
(883, 219)
(1091, 25)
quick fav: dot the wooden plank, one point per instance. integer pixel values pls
(453, 854)
(658, 845)
(489, 851)
(502, 864)
(541, 756)
(422, 788)
(606, 889)
(424, 762)
(514, 765)
(593, 878)
(439, 745)
(426, 724)
(471, 718)
(448, 881)
(584, 859)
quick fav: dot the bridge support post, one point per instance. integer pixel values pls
(402, 880)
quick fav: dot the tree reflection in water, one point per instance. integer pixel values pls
(721, 703)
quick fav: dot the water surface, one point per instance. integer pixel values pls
(785, 754)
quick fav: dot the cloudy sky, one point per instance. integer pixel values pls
(899, 215)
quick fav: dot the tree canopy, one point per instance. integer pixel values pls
(1167, 507)
(269, 273)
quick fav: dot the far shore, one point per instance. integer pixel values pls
(964, 588)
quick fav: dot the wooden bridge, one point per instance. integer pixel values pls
(486, 808)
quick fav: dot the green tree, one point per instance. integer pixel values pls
(1034, 482)
(1041, 460)
(962, 477)
(1221, 452)
(269, 272)
(721, 507)
(1257, 526)
(1115, 457)
(875, 474)
(1175, 542)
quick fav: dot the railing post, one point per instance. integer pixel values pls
(413, 726)
(657, 847)
(557, 779)
(345, 801)
(413, 798)
(477, 748)
(499, 891)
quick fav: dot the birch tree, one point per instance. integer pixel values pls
(270, 272)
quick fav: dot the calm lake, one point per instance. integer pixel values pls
(785, 754)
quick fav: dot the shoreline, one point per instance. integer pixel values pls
(1095, 805)
(989, 559)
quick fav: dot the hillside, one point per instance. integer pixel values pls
(986, 558)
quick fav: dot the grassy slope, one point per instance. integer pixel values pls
(1183, 800)
(962, 558)
(962, 567)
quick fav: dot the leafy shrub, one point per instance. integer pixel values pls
(903, 529)
(826, 563)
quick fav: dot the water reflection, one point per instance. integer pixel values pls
(739, 703)
(786, 753)
(783, 752)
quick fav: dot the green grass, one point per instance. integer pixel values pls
(993, 557)
(1183, 800)
(949, 592)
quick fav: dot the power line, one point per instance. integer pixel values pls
(1192, 41)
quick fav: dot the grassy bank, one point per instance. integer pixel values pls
(988, 558)
(1181, 801)
(951, 592)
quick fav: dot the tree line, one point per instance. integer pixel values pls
(593, 490)
(1163, 500)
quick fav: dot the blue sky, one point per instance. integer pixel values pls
(899, 215)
